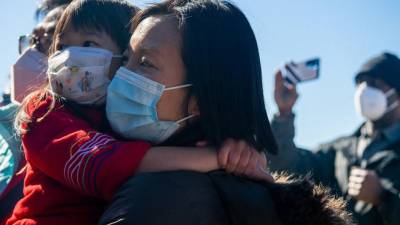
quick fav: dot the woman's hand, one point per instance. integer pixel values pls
(285, 95)
(240, 159)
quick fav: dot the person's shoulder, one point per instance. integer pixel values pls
(247, 200)
(7, 115)
(166, 192)
(8, 111)
(342, 142)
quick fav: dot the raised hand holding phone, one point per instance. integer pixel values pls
(285, 95)
(307, 70)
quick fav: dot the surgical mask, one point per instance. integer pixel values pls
(27, 74)
(372, 103)
(131, 107)
(80, 74)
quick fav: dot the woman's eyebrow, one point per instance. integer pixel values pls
(151, 51)
(148, 49)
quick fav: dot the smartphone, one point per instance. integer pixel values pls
(294, 73)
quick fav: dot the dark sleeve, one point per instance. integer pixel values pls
(319, 163)
(389, 208)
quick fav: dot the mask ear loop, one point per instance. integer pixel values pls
(186, 118)
(390, 92)
(395, 103)
(178, 87)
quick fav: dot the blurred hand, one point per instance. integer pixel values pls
(285, 95)
(239, 158)
(42, 38)
(364, 185)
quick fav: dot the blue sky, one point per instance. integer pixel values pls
(344, 33)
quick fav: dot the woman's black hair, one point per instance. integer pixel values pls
(221, 58)
(110, 16)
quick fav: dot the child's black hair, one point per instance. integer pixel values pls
(109, 16)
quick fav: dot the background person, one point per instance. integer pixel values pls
(364, 166)
(11, 156)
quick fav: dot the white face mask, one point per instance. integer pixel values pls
(27, 74)
(80, 74)
(372, 103)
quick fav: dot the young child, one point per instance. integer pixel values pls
(74, 165)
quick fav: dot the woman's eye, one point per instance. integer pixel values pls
(90, 44)
(146, 63)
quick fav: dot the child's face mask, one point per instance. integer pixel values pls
(80, 74)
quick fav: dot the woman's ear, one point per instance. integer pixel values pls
(193, 108)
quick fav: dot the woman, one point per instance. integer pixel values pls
(193, 75)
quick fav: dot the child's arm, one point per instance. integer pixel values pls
(175, 158)
(236, 157)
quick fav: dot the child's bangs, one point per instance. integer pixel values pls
(93, 19)
(108, 16)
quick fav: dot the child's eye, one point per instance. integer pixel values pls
(90, 44)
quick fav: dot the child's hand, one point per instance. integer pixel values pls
(239, 158)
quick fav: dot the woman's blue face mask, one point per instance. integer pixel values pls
(132, 107)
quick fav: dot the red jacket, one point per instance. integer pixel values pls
(72, 170)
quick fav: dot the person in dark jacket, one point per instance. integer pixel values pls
(364, 166)
(194, 46)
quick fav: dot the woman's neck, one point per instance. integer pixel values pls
(188, 136)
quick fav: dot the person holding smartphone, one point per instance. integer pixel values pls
(363, 167)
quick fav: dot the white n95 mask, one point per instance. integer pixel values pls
(372, 103)
(80, 74)
(132, 107)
